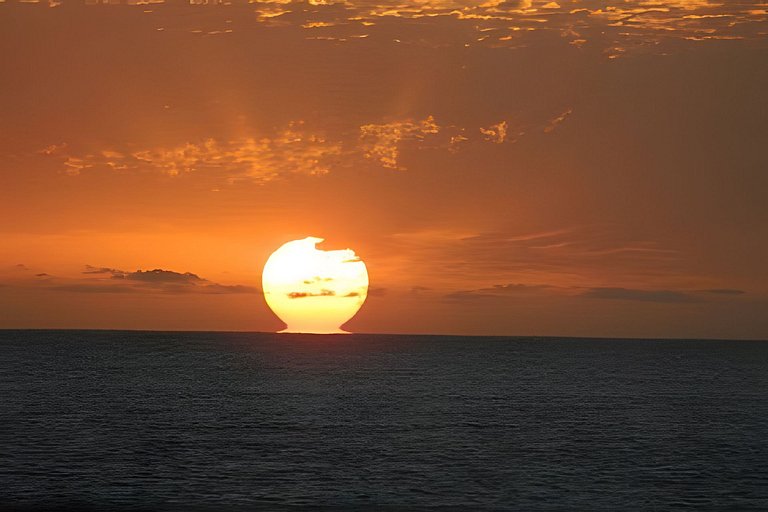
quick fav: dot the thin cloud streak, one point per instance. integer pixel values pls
(665, 296)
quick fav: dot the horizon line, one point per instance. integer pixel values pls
(348, 334)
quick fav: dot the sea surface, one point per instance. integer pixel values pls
(108, 420)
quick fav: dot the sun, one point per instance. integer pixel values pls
(314, 291)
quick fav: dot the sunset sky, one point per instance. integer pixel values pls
(574, 168)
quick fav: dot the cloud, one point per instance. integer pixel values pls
(294, 150)
(666, 296)
(160, 276)
(381, 142)
(620, 28)
(101, 270)
(375, 291)
(578, 256)
(496, 133)
(497, 291)
(53, 149)
(554, 123)
(616, 28)
(319, 279)
(724, 291)
(112, 280)
(609, 293)
(322, 293)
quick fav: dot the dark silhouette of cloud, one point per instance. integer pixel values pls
(611, 293)
(374, 291)
(318, 279)
(667, 296)
(302, 295)
(164, 276)
(496, 291)
(415, 290)
(112, 280)
(102, 270)
(724, 291)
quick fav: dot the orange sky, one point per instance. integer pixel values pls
(576, 168)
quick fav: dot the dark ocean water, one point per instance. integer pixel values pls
(225, 421)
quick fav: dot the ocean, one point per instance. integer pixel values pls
(113, 420)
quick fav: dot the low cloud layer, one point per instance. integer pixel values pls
(498, 291)
(670, 296)
(503, 291)
(111, 280)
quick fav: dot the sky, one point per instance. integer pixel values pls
(532, 168)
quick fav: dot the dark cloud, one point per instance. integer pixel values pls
(724, 291)
(375, 291)
(111, 280)
(352, 294)
(165, 276)
(103, 270)
(466, 295)
(302, 295)
(496, 291)
(318, 279)
(666, 296)
(515, 288)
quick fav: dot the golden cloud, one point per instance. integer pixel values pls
(293, 150)
(381, 142)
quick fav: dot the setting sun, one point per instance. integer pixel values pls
(314, 291)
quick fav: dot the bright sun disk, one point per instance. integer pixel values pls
(314, 291)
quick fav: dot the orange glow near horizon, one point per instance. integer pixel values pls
(314, 291)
